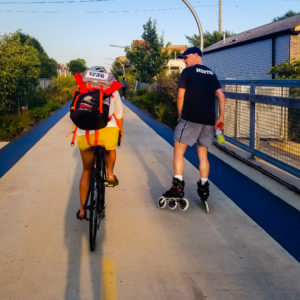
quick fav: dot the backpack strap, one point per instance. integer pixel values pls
(83, 88)
(96, 137)
(101, 99)
(114, 86)
(118, 124)
(74, 136)
(75, 101)
(75, 91)
(87, 136)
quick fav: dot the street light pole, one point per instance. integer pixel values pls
(117, 46)
(198, 23)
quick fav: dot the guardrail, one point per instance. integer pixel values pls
(263, 118)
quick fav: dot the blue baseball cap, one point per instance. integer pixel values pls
(191, 50)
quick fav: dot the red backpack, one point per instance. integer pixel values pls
(90, 106)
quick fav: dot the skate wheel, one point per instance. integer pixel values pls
(172, 204)
(162, 203)
(184, 204)
(206, 206)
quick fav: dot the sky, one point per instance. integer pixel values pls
(71, 29)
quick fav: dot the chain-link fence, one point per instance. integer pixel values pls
(263, 117)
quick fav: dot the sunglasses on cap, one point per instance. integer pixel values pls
(187, 56)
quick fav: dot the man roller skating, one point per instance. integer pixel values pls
(198, 87)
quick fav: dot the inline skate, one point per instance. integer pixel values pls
(203, 192)
(174, 196)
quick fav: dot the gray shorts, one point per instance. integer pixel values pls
(189, 133)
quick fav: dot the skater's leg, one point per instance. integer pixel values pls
(176, 192)
(202, 184)
(204, 163)
(178, 160)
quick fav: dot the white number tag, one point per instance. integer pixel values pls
(96, 75)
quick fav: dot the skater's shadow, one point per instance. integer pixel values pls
(156, 188)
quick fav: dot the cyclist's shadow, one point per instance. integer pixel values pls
(84, 267)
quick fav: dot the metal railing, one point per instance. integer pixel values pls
(263, 118)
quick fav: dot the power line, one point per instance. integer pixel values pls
(53, 2)
(94, 11)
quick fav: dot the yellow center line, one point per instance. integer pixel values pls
(108, 282)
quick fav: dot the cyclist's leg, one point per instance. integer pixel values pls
(110, 160)
(108, 137)
(87, 164)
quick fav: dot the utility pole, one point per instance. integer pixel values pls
(220, 17)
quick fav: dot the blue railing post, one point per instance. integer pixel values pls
(252, 120)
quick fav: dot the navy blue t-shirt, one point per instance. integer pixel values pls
(200, 84)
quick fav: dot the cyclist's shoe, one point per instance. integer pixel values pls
(177, 189)
(203, 190)
(81, 218)
(112, 182)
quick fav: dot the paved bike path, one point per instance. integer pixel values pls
(143, 252)
(261, 204)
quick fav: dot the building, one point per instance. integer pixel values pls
(251, 54)
(63, 70)
(176, 49)
(175, 64)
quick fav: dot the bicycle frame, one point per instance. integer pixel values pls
(95, 201)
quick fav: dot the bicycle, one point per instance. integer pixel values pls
(95, 200)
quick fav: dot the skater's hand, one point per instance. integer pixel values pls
(220, 124)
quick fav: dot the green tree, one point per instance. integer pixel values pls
(119, 68)
(19, 70)
(208, 38)
(290, 70)
(77, 65)
(288, 14)
(48, 65)
(287, 70)
(148, 57)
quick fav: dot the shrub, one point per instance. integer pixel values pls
(168, 85)
(13, 125)
(41, 103)
(39, 113)
(157, 104)
(37, 99)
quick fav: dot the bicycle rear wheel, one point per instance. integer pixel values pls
(97, 201)
(91, 208)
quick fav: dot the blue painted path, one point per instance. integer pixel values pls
(13, 151)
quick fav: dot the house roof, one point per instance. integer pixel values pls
(290, 25)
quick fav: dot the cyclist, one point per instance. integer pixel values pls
(107, 137)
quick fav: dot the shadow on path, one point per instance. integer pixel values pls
(84, 267)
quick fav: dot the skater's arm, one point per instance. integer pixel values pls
(221, 97)
(180, 100)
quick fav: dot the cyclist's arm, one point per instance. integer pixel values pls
(119, 112)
